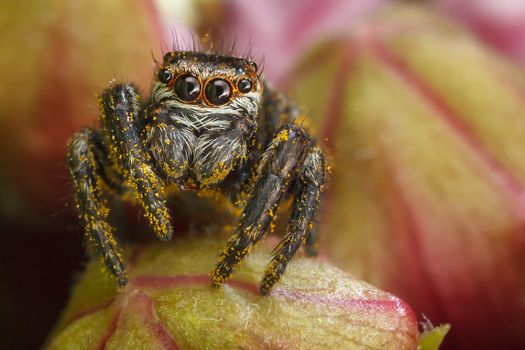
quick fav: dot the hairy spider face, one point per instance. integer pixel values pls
(213, 101)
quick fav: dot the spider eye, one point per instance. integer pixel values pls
(165, 76)
(218, 92)
(244, 85)
(187, 87)
(168, 56)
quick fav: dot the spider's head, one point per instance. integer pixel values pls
(206, 82)
(213, 100)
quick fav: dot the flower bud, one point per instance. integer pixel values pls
(56, 57)
(169, 304)
(427, 133)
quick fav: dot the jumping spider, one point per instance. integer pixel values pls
(211, 122)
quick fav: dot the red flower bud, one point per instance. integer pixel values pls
(427, 197)
(56, 58)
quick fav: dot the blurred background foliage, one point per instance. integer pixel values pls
(421, 107)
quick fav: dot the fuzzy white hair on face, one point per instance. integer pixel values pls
(208, 141)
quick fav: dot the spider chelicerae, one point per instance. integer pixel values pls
(210, 123)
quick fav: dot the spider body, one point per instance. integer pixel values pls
(210, 123)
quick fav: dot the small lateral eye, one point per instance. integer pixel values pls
(168, 56)
(187, 87)
(218, 92)
(244, 85)
(165, 76)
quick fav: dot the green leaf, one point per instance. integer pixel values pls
(431, 339)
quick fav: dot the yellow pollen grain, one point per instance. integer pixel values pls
(283, 135)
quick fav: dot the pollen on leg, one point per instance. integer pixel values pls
(84, 167)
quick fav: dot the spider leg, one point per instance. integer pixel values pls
(310, 246)
(86, 171)
(300, 226)
(277, 167)
(120, 107)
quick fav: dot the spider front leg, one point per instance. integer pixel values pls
(85, 165)
(279, 164)
(120, 108)
(300, 227)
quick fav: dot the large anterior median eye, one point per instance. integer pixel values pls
(218, 91)
(187, 87)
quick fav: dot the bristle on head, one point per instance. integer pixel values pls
(212, 45)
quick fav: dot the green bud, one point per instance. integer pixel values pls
(169, 304)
